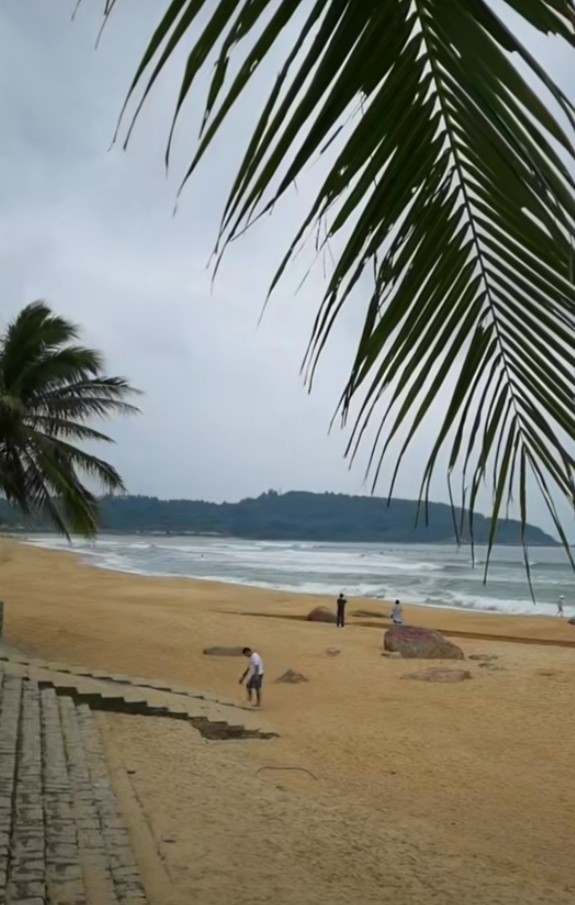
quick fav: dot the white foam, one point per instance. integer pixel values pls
(431, 576)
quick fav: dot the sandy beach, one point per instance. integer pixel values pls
(377, 789)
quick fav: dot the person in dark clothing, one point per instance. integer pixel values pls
(341, 604)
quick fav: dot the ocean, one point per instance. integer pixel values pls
(430, 575)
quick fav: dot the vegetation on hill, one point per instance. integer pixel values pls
(293, 516)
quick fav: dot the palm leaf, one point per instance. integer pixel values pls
(62, 451)
(51, 426)
(49, 390)
(33, 334)
(53, 489)
(88, 398)
(449, 152)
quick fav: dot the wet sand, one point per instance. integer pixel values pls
(397, 791)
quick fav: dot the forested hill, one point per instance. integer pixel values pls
(290, 516)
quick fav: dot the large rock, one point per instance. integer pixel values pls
(420, 643)
(223, 651)
(572, 620)
(321, 614)
(292, 677)
(440, 674)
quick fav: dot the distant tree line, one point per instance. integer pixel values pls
(289, 516)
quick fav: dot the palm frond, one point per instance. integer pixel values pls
(52, 486)
(450, 160)
(78, 459)
(51, 426)
(49, 389)
(35, 332)
(53, 489)
(13, 476)
(54, 368)
(97, 397)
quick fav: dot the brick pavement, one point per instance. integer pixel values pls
(63, 840)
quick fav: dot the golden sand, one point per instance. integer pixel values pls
(378, 789)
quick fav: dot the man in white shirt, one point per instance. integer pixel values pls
(256, 665)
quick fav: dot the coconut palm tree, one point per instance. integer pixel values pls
(448, 184)
(49, 389)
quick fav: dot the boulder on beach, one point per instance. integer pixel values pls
(223, 651)
(413, 642)
(321, 614)
(483, 658)
(292, 677)
(440, 674)
(572, 620)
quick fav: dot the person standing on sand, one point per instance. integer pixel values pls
(397, 613)
(256, 665)
(560, 605)
(341, 604)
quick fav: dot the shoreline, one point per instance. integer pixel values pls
(84, 560)
(458, 622)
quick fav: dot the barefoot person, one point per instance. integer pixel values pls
(560, 605)
(254, 684)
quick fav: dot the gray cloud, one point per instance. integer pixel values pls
(92, 231)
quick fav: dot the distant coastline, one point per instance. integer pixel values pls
(22, 533)
(296, 516)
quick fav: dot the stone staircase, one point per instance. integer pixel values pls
(63, 840)
(215, 718)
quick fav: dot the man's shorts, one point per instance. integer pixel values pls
(255, 682)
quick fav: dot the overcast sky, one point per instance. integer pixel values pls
(91, 230)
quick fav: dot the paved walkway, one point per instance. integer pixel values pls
(63, 839)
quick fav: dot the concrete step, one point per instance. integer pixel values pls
(212, 719)
(64, 869)
(27, 857)
(13, 817)
(31, 665)
(211, 715)
(92, 847)
(111, 873)
(62, 838)
(10, 697)
(123, 864)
